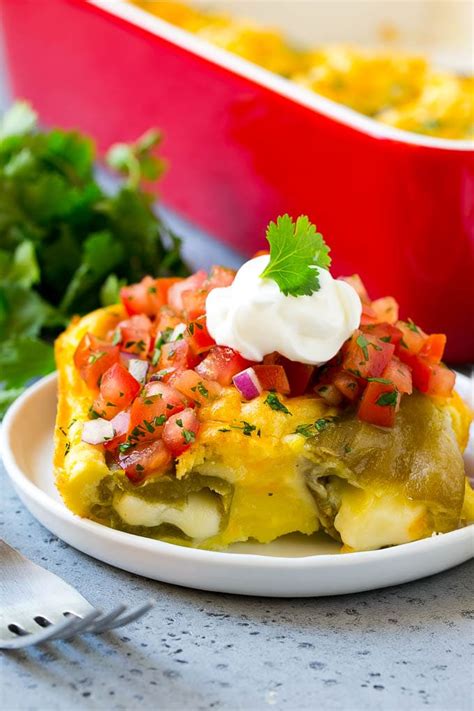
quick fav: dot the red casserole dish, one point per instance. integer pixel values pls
(246, 145)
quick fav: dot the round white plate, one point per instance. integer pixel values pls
(294, 566)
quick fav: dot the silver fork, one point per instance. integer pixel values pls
(37, 606)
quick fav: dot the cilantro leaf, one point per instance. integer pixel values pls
(297, 252)
(22, 359)
(275, 404)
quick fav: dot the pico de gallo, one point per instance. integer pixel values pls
(160, 364)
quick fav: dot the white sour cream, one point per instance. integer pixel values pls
(255, 318)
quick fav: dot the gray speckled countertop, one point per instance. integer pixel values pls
(406, 647)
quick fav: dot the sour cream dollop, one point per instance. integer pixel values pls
(255, 318)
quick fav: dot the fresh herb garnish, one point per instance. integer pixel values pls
(363, 343)
(387, 399)
(384, 381)
(412, 326)
(314, 428)
(297, 252)
(246, 428)
(66, 245)
(273, 402)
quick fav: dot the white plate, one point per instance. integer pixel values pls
(294, 566)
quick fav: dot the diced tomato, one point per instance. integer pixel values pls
(219, 277)
(347, 384)
(118, 386)
(180, 431)
(104, 408)
(379, 404)
(273, 377)
(177, 355)
(175, 293)
(356, 282)
(194, 303)
(199, 337)
(430, 378)
(194, 387)
(368, 315)
(384, 331)
(329, 392)
(433, 347)
(413, 338)
(166, 319)
(151, 409)
(298, 374)
(386, 309)
(147, 296)
(399, 375)
(136, 335)
(366, 356)
(93, 357)
(221, 364)
(146, 459)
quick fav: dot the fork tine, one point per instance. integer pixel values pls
(133, 615)
(103, 623)
(77, 625)
(46, 634)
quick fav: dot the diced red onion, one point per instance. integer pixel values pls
(330, 393)
(126, 357)
(139, 369)
(247, 383)
(177, 332)
(161, 374)
(120, 423)
(97, 431)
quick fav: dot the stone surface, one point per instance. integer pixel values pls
(405, 647)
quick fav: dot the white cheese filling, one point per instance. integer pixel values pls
(199, 518)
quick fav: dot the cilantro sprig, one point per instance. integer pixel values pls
(297, 253)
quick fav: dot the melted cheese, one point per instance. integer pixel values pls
(199, 518)
(367, 522)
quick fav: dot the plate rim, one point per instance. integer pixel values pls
(184, 554)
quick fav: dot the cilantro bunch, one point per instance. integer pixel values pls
(66, 246)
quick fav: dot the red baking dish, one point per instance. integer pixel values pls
(245, 145)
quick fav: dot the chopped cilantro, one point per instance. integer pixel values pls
(117, 337)
(94, 357)
(139, 468)
(246, 428)
(379, 380)
(388, 399)
(363, 344)
(305, 430)
(412, 326)
(273, 402)
(189, 436)
(297, 252)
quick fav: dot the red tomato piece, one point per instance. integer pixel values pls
(180, 431)
(199, 337)
(166, 319)
(299, 375)
(430, 378)
(177, 355)
(104, 408)
(93, 357)
(413, 338)
(386, 309)
(399, 375)
(221, 364)
(194, 303)
(175, 293)
(433, 347)
(366, 356)
(151, 409)
(118, 386)
(136, 336)
(379, 404)
(145, 460)
(219, 277)
(347, 384)
(368, 315)
(192, 386)
(273, 377)
(356, 282)
(384, 331)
